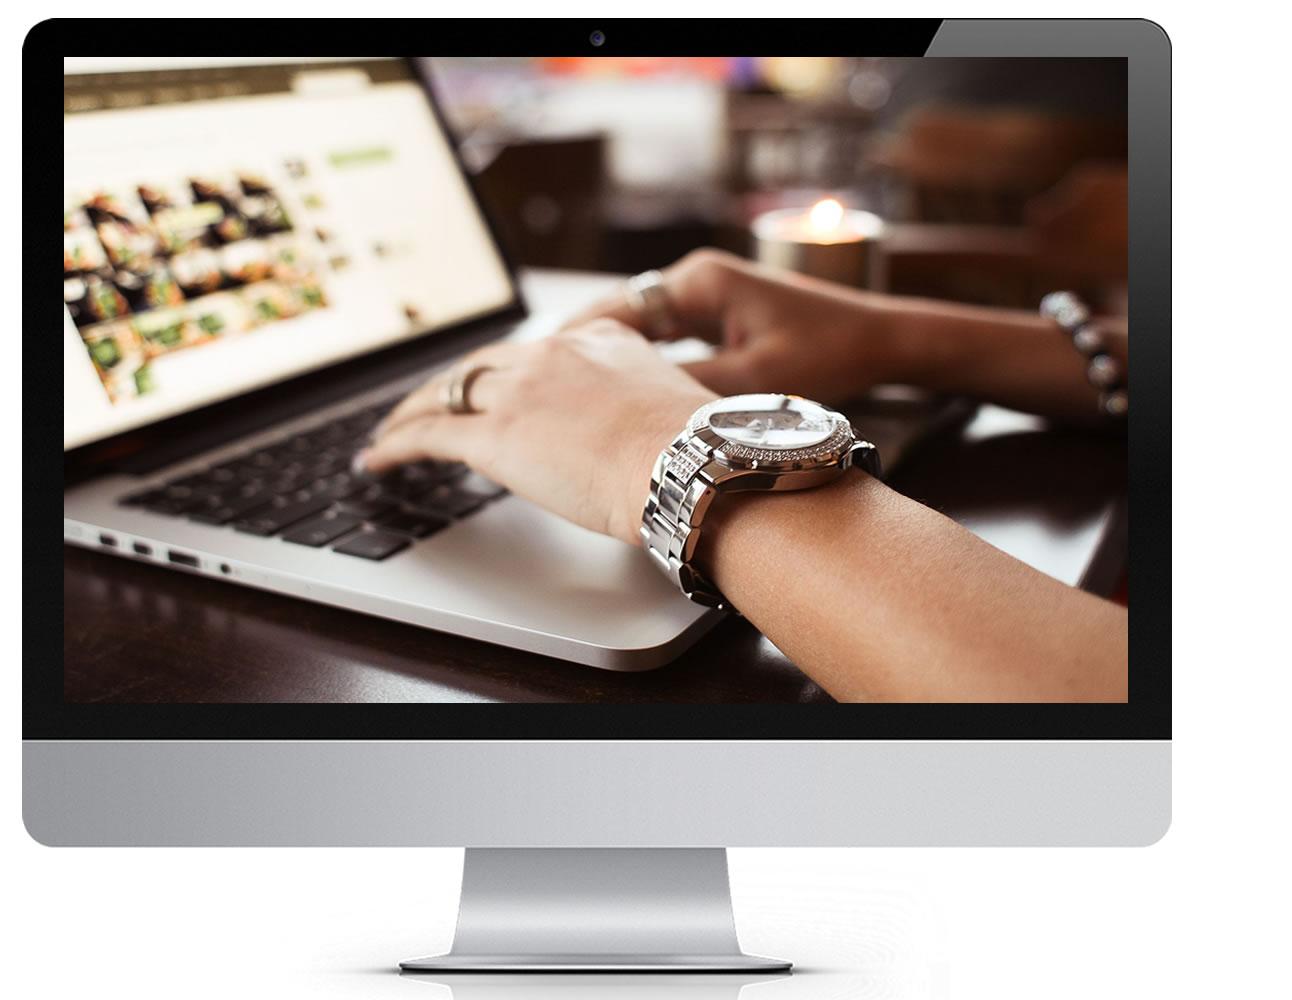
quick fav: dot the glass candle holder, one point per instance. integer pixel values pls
(826, 241)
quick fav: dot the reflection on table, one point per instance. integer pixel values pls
(800, 985)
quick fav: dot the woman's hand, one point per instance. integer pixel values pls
(779, 331)
(784, 332)
(573, 422)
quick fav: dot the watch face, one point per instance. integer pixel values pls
(772, 422)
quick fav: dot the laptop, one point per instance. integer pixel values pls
(260, 259)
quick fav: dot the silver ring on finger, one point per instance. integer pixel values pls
(649, 299)
(457, 390)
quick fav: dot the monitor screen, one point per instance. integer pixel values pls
(231, 223)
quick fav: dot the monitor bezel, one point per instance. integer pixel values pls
(1147, 715)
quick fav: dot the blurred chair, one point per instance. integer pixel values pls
(545, 195)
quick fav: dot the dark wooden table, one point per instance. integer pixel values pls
(135, 632)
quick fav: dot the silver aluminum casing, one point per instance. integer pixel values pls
(769, 792)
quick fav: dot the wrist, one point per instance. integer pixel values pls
(654, 427)
(896, 343)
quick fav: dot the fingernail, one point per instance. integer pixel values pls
(359, 464)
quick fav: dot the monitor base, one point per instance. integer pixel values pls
(454, 962)
(595, 910)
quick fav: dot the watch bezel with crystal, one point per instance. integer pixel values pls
(825, 456)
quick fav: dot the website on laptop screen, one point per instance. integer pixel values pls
(225, 227)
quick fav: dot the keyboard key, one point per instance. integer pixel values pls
(141, 498)
(162, 504)
(221, 475)
(235, 491)
(341, 484)
(409, 480)
(332, 489)
(418, 524)
(187, 488)
(229, 509)
(228, 467)
(446, 499)
(276, 516)
(264, 459)
(322, 530)
(327, 464)
(240, 469)
(373, 544)
(368, 507)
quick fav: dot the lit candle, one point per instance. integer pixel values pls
(826, 241)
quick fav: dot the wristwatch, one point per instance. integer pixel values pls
(762, 441)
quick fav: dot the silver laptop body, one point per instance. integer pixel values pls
(509, 573)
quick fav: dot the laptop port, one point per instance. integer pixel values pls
(108, 540)
(143, 549)
(183, 558)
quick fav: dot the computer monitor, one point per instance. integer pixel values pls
(595, 834)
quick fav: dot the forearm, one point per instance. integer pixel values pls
(878, 598)
(1007, 356)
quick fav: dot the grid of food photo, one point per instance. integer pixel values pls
(164, 266)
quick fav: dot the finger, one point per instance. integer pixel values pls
(619, 308)
(599, 331)
(430, 396)
(451, 438)
(697, 291)
(614, 307)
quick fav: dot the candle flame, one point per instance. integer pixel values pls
(825, 216)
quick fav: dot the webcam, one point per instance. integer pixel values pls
(597, 38)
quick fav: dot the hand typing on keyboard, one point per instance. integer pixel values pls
(303, 489)
(572, 422)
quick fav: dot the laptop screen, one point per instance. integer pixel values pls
(226, 226)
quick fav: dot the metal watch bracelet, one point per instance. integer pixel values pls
(681, 490)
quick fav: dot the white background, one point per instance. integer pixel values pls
(1202, 914)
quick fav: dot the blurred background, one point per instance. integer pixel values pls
(997, 179)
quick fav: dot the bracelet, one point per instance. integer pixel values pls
(1102, 369)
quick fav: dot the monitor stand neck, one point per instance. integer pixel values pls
(595, 909)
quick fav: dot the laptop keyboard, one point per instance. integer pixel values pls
(301, 489)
